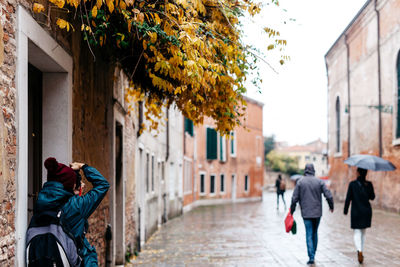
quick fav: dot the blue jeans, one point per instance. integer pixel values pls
(311, 236)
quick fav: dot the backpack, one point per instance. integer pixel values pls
(50, 244)
(282, 185)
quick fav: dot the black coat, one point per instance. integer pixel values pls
(278, 186)
(359, 193)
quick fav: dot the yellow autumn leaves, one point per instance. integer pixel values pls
(187, 52)
(63, 24)
(38, 8)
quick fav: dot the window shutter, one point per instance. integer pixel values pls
(189, 126)
(232, 141)
(221, 148)
(212, 149)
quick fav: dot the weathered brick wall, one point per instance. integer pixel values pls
(92, 96)
(364, 136)
(7, 132)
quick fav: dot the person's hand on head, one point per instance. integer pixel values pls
(76, 165)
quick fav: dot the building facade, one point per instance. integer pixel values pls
(159, 169)
(57, 101)
(226, 169)
(314, 152)
(363, 68)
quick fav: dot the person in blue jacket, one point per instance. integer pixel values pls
(61, 192)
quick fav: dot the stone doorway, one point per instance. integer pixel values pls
(44, 108)
(35, 94)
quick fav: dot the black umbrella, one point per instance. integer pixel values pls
(370, 162)
(295, 177)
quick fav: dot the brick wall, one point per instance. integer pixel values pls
(363, 76)
(7, 133)
(249, 147)
(92, 99)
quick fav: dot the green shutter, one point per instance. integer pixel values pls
(221, 148)
(232, 143)
(189, 126)
(212, 149)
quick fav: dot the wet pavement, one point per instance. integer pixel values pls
(252, 234)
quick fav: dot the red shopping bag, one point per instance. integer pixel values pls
(289, 222)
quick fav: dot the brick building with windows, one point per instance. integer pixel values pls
(226, 169)
(363, 67)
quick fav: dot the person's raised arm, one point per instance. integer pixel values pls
(91, 200)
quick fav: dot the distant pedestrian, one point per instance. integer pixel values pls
(308, 192)
(280, 185)
(359, 192)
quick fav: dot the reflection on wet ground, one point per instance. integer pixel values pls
(252, 234)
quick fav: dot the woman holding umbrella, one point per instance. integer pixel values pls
(360, 191)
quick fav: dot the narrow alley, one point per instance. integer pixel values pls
(252, 234)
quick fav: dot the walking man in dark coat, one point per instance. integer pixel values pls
(308, 193)
(359, 192)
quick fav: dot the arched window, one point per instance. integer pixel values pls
(398, 97)
(337, 124)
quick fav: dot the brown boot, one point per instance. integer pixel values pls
(360, 256)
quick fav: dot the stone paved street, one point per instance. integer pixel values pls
(252, 234)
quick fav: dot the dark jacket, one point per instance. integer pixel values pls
(308, 192)
(359, 193)
(75, 209)
(278, 186)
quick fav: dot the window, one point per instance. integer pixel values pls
(158, 171)
(211, 144)
(202, 184)
(147, 171)
(162, 171)
(187, 168)
(212, 184)
(222, 183)
(140, 115)
(222, 148)
(232, 144)
(307, 158)
(246, 183)
(189, 126)
(337, 124)
(152, 173)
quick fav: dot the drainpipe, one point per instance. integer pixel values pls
(108, 237)
(348, 95)
(167, 152)
(327, 105)
(379, 78)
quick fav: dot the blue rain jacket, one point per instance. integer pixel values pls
(76, 209)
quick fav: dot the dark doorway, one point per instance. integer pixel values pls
(119, 195)
(35, 78)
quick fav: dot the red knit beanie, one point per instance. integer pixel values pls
(60, 173)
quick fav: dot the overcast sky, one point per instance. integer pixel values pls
(295, 99)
